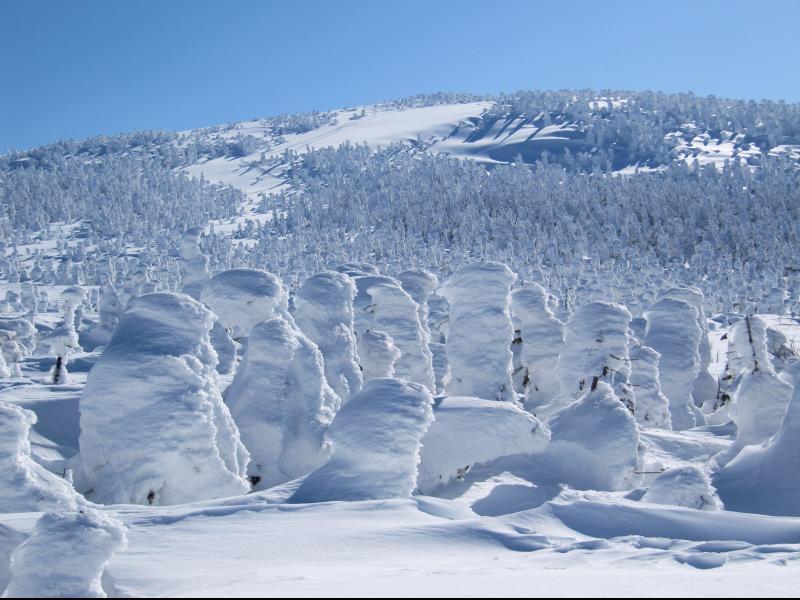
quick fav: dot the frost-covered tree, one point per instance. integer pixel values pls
(480, 331)
(541, 337)
(154, 428)
(324, 312)
(687, 486)
(652, 406)
(673, 332)
(282, 403)
(378, 355)
(194, 264)
(377, 438)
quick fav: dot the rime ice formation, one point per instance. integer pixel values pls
(324, 312)
(673, 332)
(480, 331)
(194, 264)
(685, 486)
(282, 403)
(154, 429)
(377, 438)
(652, 406)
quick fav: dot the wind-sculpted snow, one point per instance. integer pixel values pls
(154, 429)
(282, 403)
(651, 406)
(480, 331)
(66, 555)
(683, 486)
(470, 431)
(377, 437)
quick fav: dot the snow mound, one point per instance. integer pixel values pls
(65, 556)
(377, 438)
(324, 312)
(26, 486)
(763, 478)
(241, 298)
(673, 332)
(685, 486)
(282, 404)
(470, 431)
(480, 331)
(154, 429)
(595, 443)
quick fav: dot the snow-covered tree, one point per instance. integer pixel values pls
(687, 486)
(377, 438)
(282, 403)
(652, 406)
(324, 312)
(480, 331)
(154, 429)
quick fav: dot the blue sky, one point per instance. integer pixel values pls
(71, 69)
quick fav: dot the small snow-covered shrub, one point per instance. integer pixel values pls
(377, 438)
(65, 556)
(470, 431)
(685, 486)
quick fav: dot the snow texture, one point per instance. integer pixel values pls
(685, 486)
(154, 429)
(377, 438)
(480, 331)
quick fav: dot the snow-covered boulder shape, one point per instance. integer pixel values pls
(760, 401)
(673, 332)
(65, 556)
(685, 486)
(378, 354)
(242, 298)
(480, 331)
(419, 284)
(542, 339)
(26, 486)
(595, 345)
(396, 314)
(704, 389)
(651, 406)
(282, 403)
(377, 437)
(470, 431)
(193, 264)
(154, 429)
(763, 478)
(324, 312)
(594, 442)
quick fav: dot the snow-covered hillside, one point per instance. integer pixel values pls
(538, 343)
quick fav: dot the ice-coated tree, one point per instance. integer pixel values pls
(395, 313)
(282, 403)
(377, 438)
(75, 546)
(652, 406)
(596, 343)
(25, 486)
(242, 298)
(378, 355)
(471, 431)
(480, 331)
(673, 332)
(419, 284)
(154, 428)
(324, 312)
(541, 335)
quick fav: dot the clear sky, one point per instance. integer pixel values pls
(75, 68)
